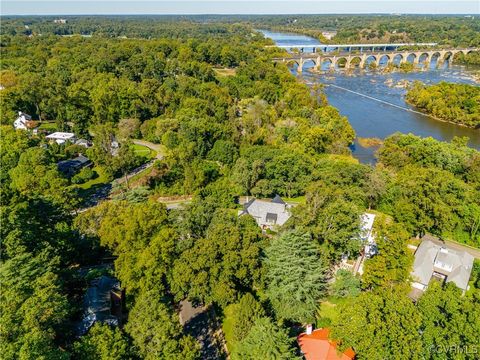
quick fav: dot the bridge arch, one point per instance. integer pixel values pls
(397, 59)
(342, 62)
(411, 58)
(310, 62)
(424, 58)
(356, 61)
(384, 60)
(448, 56)
(327, 63)
(435, 59)
(371, 59)
(290, 62)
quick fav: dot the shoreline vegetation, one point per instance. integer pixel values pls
(370, 142)
(449, 102)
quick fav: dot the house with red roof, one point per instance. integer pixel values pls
(315, 345)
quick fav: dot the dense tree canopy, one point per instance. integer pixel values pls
(227, 122)
(457, 103)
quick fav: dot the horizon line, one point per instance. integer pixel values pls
(253, 14)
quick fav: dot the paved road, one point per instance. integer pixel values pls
(103, 192)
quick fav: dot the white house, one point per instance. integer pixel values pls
(23, 122)
(366, 234)
(61, 137)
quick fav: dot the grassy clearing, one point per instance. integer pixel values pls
(99, 180)
(48, 126)
(295, 200)
(328, 310)
(225, 71)
(144, 151)
(227, 326)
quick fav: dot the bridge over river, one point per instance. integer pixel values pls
(350, 47)
(348, 59)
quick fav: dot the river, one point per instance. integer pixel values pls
(375, 107)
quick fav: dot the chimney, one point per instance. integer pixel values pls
(309, 329)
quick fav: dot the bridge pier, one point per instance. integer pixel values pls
(300, 65)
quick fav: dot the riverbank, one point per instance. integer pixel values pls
(375, 108)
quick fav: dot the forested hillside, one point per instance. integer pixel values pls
(455, 31)
(227, 123)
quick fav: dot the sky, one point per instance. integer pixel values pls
(104, 7)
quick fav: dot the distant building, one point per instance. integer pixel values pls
(24, 122)
(436, 261)
(72, 166)
(61, 137)
(60, 21)
(329, 35)
(315, 345)
(84, 143)
(267, 213)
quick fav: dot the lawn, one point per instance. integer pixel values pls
(328, 311)
(295, 200)
(225, 71)
(100, 179)
(227, 326)
(48, 126)
(144, 151)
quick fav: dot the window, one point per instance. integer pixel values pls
(271, 218)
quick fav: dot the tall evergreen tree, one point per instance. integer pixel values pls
(295, 275)
(265, 341)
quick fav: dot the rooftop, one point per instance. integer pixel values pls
(61, 135)
(267, 212)
(71, 165)
(317, 346)
(432, 258)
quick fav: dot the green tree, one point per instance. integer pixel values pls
(265, 341)
(332, 219)
(220, 266)
(345, 285)
(246, 311)
(392, 265)
(295, 276)
(36, 176)
(380, 325)
(103, 343)
(32, 308)
(449, 320)
(156, 330)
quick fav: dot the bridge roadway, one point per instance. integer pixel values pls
(352, 60)
(350, 47)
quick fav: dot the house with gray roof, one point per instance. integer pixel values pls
(434, 261)
(72, 166)
(268, 214)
